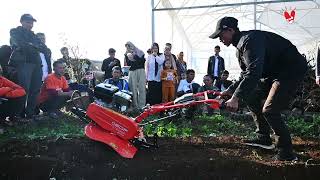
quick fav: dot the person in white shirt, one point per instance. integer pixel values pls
(45, 58)
(154, 66)
(188, 85)
(216, 64)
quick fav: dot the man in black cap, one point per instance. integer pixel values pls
(109, 63)
(271, 68)
(25, 58)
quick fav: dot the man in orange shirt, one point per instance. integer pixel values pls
(54, 91)
(11, 99)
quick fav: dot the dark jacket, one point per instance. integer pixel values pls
(47, 55)
(211, 64)
(107, 68)
(181, 67)
(218, 83)
(137, 64)
(265, 55)
(26, 46)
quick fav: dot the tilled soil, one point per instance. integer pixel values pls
(183, 158)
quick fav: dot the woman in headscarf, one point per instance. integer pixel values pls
(134, 58)
(169, 56)
(153, 70)
(181, 65)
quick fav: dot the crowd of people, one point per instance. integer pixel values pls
(271, 68)
(32, 82)
(27, 82)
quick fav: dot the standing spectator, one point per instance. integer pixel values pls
(71, 69)
(153, 70)
(187, 85)
(216, 64)
(169, 79)
(11, 99)
(116, 79)
(45, 57)
(25, 58)
(272, 69)
(169, 56)
(169, 45)
(181, 66)
(69, 63)
(75, 68)
(55, 91)
(223, 83)
(134, 58)
(109, 63)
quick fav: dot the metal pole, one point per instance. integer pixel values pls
(152, 22)
(254, 15)
(227, 5)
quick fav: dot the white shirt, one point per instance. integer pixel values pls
(150, 67)
(216, 67)
(184, 86)
(44, 66)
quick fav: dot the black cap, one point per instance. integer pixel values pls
(224, 23)
(27, 17)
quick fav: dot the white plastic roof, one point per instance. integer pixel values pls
(193, 26)
(306, 26)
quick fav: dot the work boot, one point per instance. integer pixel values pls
(264, 142)
(285, 155)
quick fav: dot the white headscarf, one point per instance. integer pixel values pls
(132, 48)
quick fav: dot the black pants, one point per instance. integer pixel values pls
(154, 92)
(54, 103)
(12, 107)
(30, 78)
(277, 95)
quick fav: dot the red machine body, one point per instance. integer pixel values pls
(116, 123)
(117, 130)
(123, 147)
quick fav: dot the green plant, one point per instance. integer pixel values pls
(67, 126)
(299, 127)
(171, 130)
(185, 132)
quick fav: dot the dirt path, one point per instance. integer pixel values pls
(205, 158)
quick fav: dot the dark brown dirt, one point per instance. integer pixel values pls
(185, 158)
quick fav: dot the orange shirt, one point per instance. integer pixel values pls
(168, 77)
(9, 89)
(52, 82)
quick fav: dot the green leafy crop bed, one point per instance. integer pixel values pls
(209, 126)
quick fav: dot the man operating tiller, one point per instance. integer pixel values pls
(271, 68)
